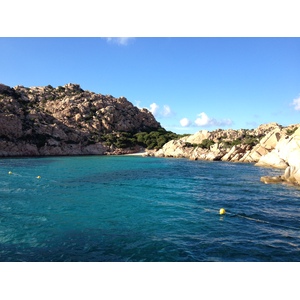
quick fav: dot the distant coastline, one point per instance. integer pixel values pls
(66, 120)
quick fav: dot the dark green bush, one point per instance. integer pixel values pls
(291, 131)
(206, 143)
(150, 140)
(61, 88)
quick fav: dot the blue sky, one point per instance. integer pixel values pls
(188, 83)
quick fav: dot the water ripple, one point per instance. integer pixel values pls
(144, 209)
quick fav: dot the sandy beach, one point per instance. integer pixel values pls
(138, 153)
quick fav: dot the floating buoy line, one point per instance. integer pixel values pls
(11, 173)
(222, 212)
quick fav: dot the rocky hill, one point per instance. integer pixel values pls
(65, 120)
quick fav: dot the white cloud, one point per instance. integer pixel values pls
(166, 111)
(154, 109)
(203, 119)
(224, 122)
(185, 122)
(158, 112)
(206, 121)
(123, 41)
(138, 104)
(296, 103)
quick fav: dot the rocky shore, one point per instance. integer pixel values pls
(269, 145)
(66, 120)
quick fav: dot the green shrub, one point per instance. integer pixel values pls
(60, 88)
(150, 140)
(251, 140)
(206, 143)
(291, 131)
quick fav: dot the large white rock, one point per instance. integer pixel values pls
(270, 140)
(272, 159)
(286, 153)
(198, 137)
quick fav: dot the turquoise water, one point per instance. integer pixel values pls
(130, 208)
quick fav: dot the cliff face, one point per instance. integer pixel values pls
(64, 121)
(269, 145)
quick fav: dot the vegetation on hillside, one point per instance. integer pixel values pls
(150, 140)
(291, 131)
(246, 139)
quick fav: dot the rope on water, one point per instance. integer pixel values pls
(223, 212)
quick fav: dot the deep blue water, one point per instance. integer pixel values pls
(130, 208)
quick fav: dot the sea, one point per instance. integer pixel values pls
(144, 209)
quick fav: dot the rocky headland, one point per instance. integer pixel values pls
(269, 145)
(66, 120)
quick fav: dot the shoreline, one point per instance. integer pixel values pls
(264, 179)
(137, 154)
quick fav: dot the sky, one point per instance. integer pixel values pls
(189, 84)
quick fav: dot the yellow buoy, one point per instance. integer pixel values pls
(39, 177)
(222, 211)
(10, 172)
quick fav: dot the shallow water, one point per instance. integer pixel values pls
(131, 208)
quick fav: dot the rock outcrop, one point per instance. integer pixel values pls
(269, 145)
(65, 120)
(285, 155)
(244, 145)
